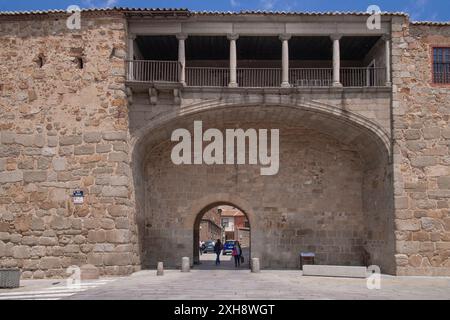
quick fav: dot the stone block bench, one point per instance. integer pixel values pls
(335, 271)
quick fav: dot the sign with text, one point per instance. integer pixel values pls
(78, 197)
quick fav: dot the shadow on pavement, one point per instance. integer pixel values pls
(208, 262)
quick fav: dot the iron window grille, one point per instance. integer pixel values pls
(441, 65)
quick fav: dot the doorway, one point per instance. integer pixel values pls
(230, 225)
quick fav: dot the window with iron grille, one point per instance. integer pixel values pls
(441, 65)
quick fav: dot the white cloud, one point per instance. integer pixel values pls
(421, 3)
(268, 4)
(111, 3)
(100, 4)
(234, 3)
(417, 9)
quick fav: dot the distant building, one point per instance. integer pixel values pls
(236, 225)
(210, 226)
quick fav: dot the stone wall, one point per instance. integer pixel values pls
(66, 124)
(315, 228)
(422, 162)
(64, 128)
(313, 204)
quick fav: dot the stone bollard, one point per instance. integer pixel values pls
(185, 265)
(89, 272)
(160, 271)
(256, 268)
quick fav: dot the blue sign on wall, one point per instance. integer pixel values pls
(78, 197)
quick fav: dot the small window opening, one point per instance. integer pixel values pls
(40, 61)
(441, 65)
(80, 63)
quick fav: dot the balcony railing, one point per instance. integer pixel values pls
(169, 71)
(153, 71)
(311, 77)
(207, 77)
(259, 77)
(363, 77)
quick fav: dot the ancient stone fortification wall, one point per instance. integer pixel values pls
(313, 204)
(325, 199)
(422, 163)
(64, 128)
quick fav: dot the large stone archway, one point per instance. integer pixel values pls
(212, 201)
(332, 195)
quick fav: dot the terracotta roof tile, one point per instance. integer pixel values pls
(187, 12)
(431, 23)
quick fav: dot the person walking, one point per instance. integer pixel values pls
(201, 247)
(218, 247)
(237, 253)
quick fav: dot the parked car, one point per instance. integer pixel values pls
(228, 247)
(208, 247)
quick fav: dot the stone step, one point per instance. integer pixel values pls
(334, 271)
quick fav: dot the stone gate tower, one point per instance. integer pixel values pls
(364, 137)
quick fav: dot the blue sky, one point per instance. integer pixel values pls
(436, 10)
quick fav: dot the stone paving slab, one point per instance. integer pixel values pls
(49, 289)
(243, 285)
(267, 285)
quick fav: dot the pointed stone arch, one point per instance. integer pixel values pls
(371, 140)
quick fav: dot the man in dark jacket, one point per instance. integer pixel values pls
(218, 247)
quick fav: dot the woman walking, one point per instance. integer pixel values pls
(237, 253)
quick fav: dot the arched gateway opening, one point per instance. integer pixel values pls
(228, 223)
(332, 194)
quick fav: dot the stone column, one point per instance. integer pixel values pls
(387, 41)
(285, 60)
(131, 67)
(182, 57)
(233, 60)
(336, 60)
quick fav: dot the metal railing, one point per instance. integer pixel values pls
(169, 71)
(311, 77)
(153, 71)
(259, 77)
(363, 77)
(441, 77)
(207, 77)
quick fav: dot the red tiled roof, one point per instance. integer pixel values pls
(187, 12)
(151, 11)
(147, 11)
(431, 23)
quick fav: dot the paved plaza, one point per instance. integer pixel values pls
(232, 285)
(208, 262)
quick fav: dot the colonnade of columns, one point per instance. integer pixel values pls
(336, 38)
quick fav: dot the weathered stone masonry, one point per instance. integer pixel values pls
(340, 190)
(421, 114)
(64, 128)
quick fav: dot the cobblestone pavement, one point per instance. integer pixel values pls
(242, 285)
